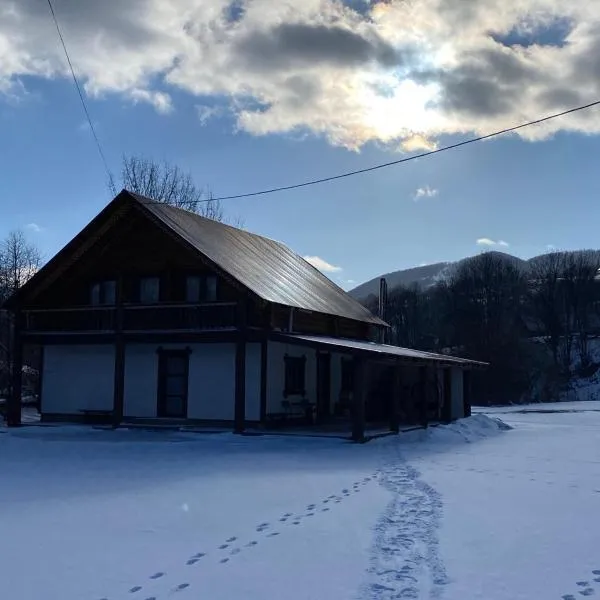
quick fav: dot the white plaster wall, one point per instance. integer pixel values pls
(211, 384)
(458, 408)
(76, 378)
(253, 382)
(141, 380)
(211, 391)
(276, 374)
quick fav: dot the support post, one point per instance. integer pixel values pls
(447, 415)
(359, 399)
(119, 381)
(424, 397)
(395, 407)
(240, 370)
(467, 392)
(264, 375)
(13, 413)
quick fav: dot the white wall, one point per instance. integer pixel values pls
(211, 391)
(458, 408)
(141, 380)
(211, 384)
(76, 378)
(253, 382)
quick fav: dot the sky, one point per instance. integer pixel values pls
(253, 94)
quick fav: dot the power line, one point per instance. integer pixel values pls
(111, 181)
(402, 160)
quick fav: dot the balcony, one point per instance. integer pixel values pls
(136, 318)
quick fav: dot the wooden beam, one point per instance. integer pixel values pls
(396, 400)
(264, 374)
(467, 392)
(447, 406)
(119, 375)
(13, 412)
(359, 399)
(240, 369)
(423, 398)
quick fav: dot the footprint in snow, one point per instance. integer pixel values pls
(157, 575)
(192, 561)
(182, 586)
(135, 589)
(250, 544)
(231, 539)
(273, 534)
(310, 514)
(262, 527)
(224, 560)
(568, 597)
(296, 522)
(325, 509)
(235, 551)
(596, 571)
(597, 579)
(583, 583)
(587, 592)
(223, 546)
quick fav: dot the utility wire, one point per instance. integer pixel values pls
(402, 160)
(111, 181)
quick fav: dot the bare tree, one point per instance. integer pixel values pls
(165, 182)
(19, 261)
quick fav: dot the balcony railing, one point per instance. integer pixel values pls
(136, 318)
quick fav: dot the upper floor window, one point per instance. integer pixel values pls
(149, 290)
(201, 288)
(103, 293)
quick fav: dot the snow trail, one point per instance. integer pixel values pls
(406, 561)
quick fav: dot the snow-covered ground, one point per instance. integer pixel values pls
(464, 512)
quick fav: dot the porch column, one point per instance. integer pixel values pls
(423, 399)
(359, 398)
(447, 406)
(13, 412)
(264, 375)
(396, 400)
(240, 370)
(467, 391)
(119, 382)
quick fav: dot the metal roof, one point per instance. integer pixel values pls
(266, 267)
(383, 350)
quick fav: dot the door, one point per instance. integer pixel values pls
(323, 386)
(173, 372)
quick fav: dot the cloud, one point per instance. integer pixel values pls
(34, 227)
(322, 265)
(207, 113)
(351, 71)
(488, 242)
(425, 192)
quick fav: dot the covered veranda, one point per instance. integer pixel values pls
(387, 388)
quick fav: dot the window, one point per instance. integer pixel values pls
(103, 293)
(210, 289)
(201, 288)
(347, 375)
(295, 372)
(149, 290)
(193, 289)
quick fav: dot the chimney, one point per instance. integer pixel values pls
(383, 291)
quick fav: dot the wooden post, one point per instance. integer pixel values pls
(395, 407)
(13, 412)
(447, 407)
(423, 400)
(240, 369)
(119, 381)
(467, 391)
(264, 378)
(359, 399)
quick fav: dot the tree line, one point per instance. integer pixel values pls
(532, 321)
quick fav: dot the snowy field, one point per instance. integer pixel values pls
(464, 512)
